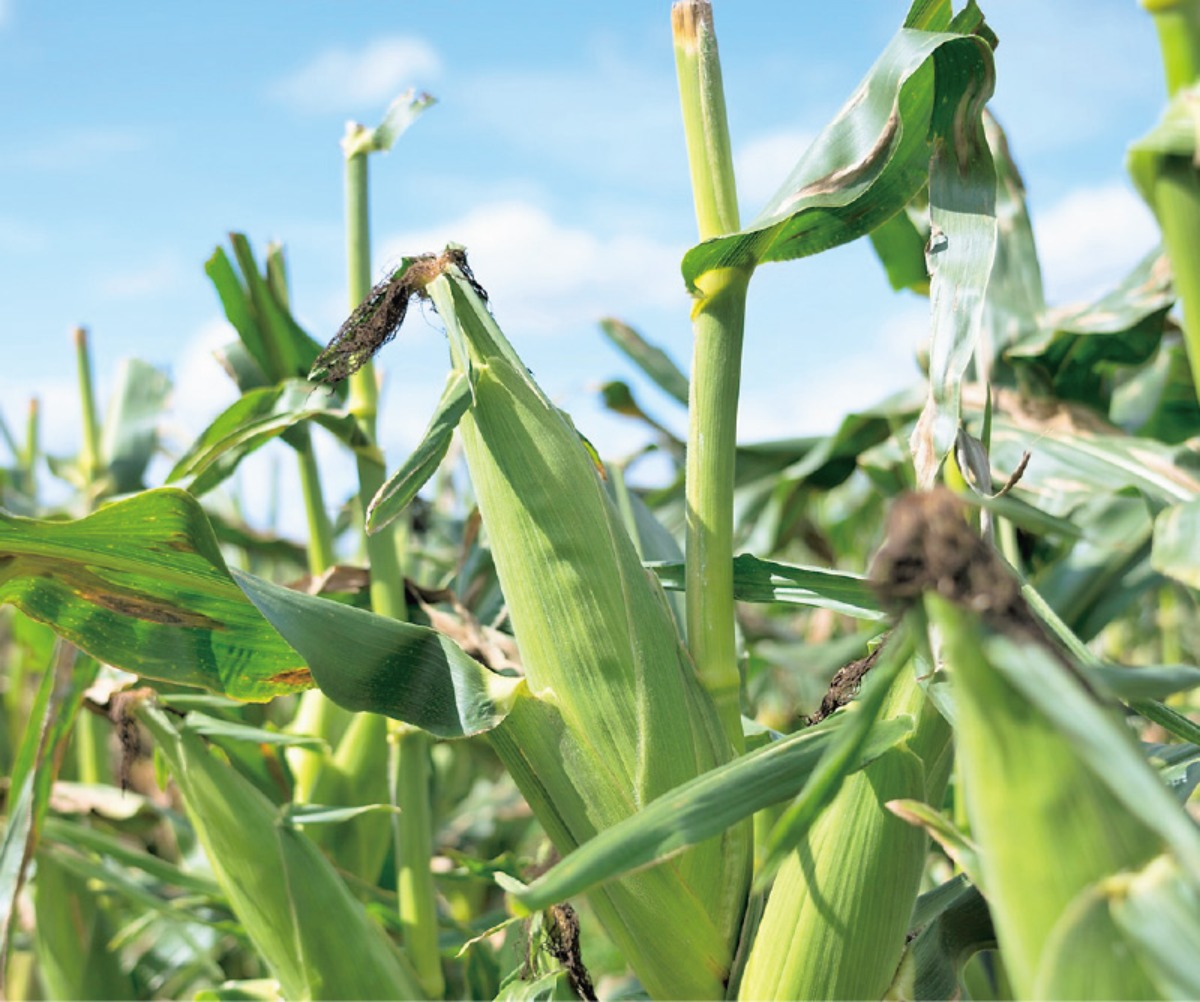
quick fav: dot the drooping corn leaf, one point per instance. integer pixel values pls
(1074, 353)
(1159, 401)
(756, 580)
(394, 496)
(142, 585)
(875, 155)
(651, 359)
(961, 251)
(252, 420)
(294, 906)
(1073, 462)
(363, 661)
(702, 808)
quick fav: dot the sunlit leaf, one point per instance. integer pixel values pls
(142, 585)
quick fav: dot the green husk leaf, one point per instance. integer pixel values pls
(286, 894)
(394, 496)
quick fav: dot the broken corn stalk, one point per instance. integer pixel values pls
(314, 936)
(614, 715)
(835, 923)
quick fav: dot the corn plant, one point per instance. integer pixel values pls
(510, 762)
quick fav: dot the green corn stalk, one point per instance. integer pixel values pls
(1163, 163)
(617, 716)
(835, 922)
(313, 935)
(1049, 829)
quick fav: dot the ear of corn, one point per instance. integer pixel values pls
(836, 919)
(617, 716)
(1041, 763)
(314, 936)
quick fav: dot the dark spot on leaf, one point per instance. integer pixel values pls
(293, 678)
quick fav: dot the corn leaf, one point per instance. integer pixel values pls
(394, 496)
(142, 585)
(363, 661)
(252, 420)
(651, 359)
(297, 911)
(702, 808)
(756, 580)
(130, 434)
(1175, 550)
(874, 157)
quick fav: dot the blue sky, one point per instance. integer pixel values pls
(138, 133)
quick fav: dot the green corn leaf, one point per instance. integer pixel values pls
(252, 420)
(295, 908)
(651, 359)
(401, 487)
(400, 670)
(129, 438)
(703, 808)
(72, 937)
(1175, 550)
(756, 580)
(1073, 353)
(875, 155)
(951, 924)
(141, 584)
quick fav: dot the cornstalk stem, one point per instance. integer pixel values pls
(718, 323)
(1178, 26)
(417, 903)
(90, 453)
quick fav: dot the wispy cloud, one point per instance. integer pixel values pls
(548, 277)
(72, 149)
(1090, 239)
(343, 80)
(764, 163)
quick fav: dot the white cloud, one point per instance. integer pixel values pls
(154, 278)
(342, 80)
(1090, 239)
(816, 401)
(764, 163)
(546, 277)
(75, 148)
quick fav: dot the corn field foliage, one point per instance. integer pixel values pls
(903, 711)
